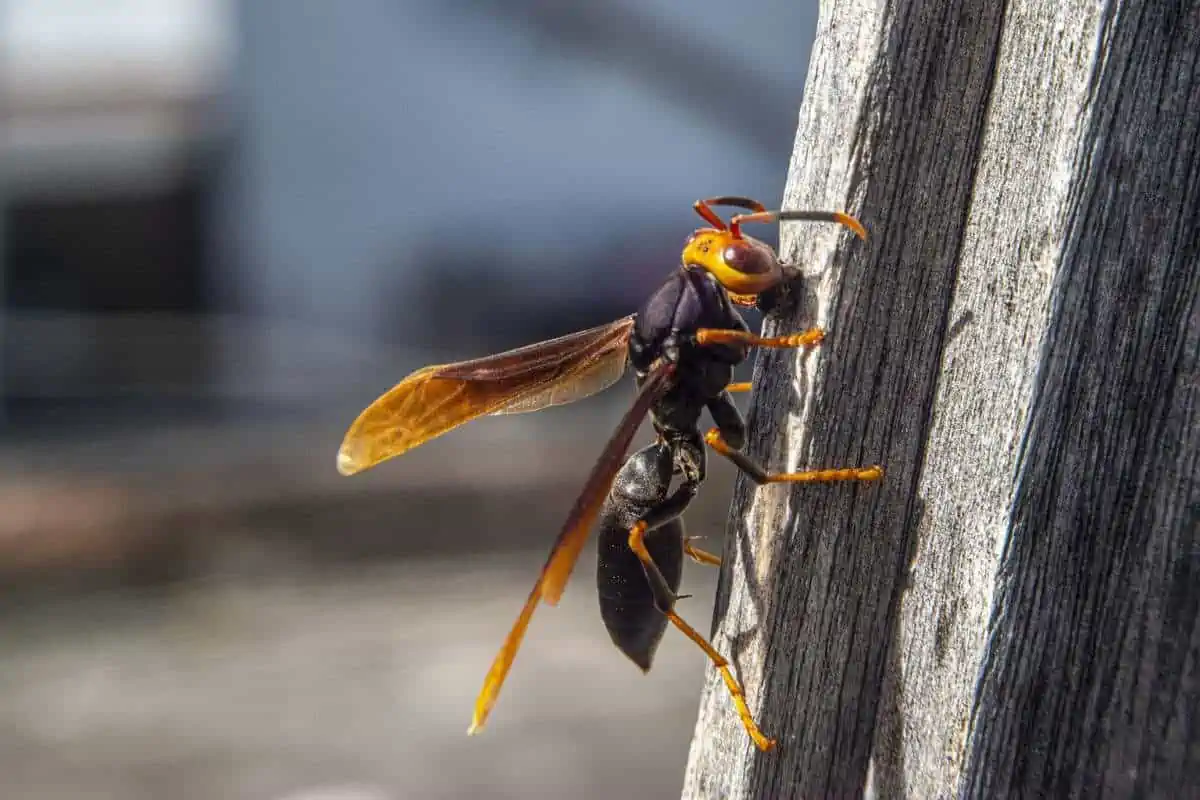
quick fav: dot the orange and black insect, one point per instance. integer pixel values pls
(683, 345)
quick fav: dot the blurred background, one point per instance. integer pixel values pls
(225, 227)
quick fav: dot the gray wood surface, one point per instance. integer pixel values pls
(1014, 610)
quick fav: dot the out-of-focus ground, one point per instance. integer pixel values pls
(249, 624)
(361, 679)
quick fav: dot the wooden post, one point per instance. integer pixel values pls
(1015, 610)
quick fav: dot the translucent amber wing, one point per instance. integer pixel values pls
(419, 408)
(502, 664)
(575, 530)
(436, 399)
(590, 377)
(570, 540)
(537, 358)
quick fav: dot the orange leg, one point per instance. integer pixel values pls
(735, 224)
(731, 683)
(637, 544)
(760, 476)
(739, 387)
(698, 555)
(744, 300)
(706, 336)
(664, 597)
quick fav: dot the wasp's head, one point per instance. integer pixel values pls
(742, 265)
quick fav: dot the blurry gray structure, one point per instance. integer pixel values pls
(224, 227)
(106, 143)
(339, 177)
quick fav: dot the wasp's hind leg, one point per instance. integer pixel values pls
(669, 509)
(664, 600)
(720, 662)
(666, 604)
(731, 683)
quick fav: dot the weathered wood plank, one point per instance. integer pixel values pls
(1026, 307)
(1015, 225)
(1091, 686)
(890, 127)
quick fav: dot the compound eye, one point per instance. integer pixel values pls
(745, 259)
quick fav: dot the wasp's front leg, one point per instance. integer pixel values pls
(718, 336)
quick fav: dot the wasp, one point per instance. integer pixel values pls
(683, 345)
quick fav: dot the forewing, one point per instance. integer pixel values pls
(571, 539)
(536, 359)
(591, 375)
(575, 530)
(436, 399)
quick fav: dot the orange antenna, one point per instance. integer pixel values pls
(704, 208)
(735, 224)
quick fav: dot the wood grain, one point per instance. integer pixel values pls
(1091, 686)
(1017, 344)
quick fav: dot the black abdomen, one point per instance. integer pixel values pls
(626, 602)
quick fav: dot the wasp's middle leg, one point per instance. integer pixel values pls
(730, 434)
(760, 476)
